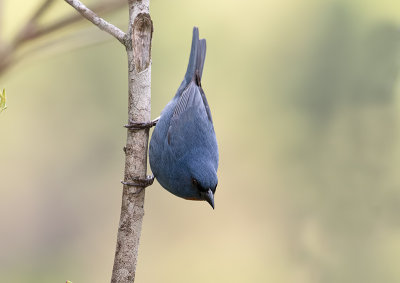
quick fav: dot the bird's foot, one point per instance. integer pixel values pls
(137, 182)
(140, 126)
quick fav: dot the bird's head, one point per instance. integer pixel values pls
(204, 181)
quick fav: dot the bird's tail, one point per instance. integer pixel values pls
(197, 57)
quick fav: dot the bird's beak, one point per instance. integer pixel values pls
(209, 197)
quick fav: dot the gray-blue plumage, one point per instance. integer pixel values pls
(183, 148)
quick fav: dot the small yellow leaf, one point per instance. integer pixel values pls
(3, 105)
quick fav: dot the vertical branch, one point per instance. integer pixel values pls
(138, 46)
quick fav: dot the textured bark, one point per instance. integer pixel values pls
(138, 48)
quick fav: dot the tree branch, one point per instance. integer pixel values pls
(97, 21)
(99, 8)
(139, 86)
(138, 48)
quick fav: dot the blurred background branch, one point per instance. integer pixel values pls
(1, 21)
(33, 30)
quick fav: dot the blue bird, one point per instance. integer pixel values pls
(183, 148)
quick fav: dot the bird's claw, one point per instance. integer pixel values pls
(141, 126)
(137, 182)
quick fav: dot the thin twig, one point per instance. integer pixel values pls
(99, 9)
(97, 21)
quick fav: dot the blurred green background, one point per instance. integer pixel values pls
(304, 96)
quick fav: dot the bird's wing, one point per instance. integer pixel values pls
(190, 122)
(192, 96)
(205, 102)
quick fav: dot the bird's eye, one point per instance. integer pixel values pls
(194, 182)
